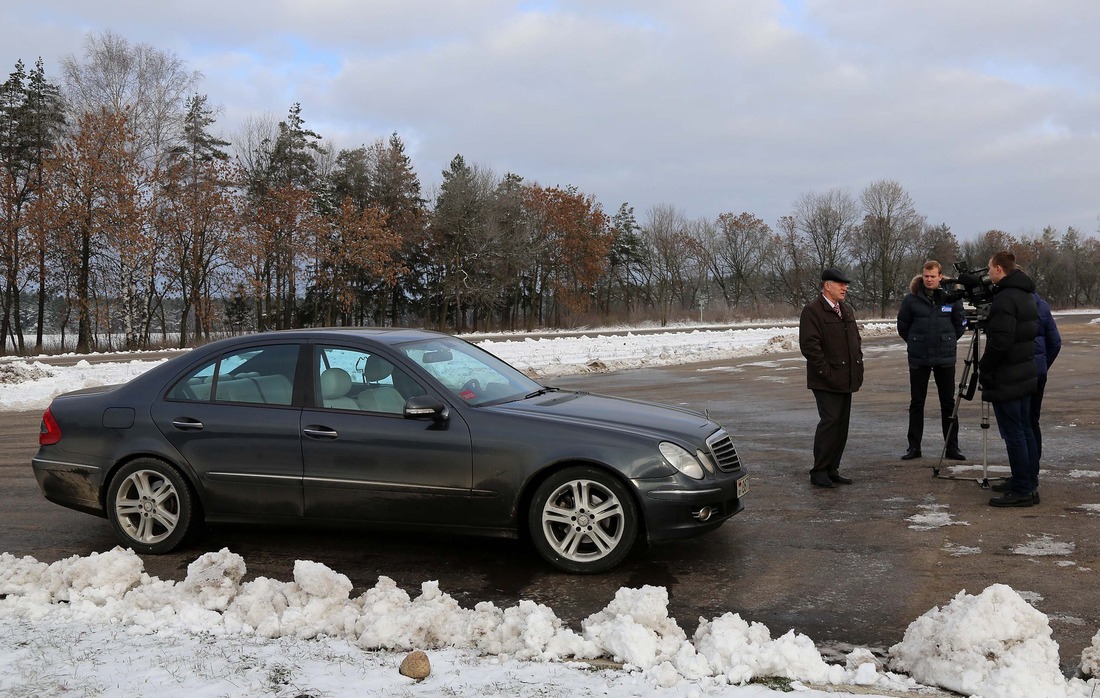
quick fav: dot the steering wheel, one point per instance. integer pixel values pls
(471, 385)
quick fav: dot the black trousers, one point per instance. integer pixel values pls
(918, 391)
(1036, 408)
(834, 410)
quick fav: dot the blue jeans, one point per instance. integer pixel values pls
(1014, 423)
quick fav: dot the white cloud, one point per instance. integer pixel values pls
(985, 111)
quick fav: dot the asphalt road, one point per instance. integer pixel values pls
(850, 566)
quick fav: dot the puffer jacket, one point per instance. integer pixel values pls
(1048, 341)
(1007, 367)
(832, 347)
(931, 327)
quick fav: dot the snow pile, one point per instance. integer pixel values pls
(992, 644)
(26, 385)
(556, 356)
(14, 373)
(634, 629)
(1090, 658)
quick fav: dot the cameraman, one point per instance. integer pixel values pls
(1008, 375)
(931, 323)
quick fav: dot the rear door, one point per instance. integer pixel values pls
(236, 423)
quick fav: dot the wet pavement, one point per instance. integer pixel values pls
(852, 565)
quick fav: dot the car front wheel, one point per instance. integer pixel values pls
(150, 506)
(583, 520)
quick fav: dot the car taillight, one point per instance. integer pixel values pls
(49, 433)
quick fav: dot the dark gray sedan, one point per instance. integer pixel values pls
(393, 428)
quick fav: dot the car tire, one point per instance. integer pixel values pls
(583, 520)
(150, 506)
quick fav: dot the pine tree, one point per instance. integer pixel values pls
(31, 121)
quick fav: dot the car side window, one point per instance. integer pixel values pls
(353, 379)
(259, 375)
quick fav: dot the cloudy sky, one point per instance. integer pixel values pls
(986, 111)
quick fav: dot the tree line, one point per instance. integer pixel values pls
(126, 223)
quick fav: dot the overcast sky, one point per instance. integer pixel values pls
(986, 111)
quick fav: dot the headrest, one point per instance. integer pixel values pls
(335, 382)
(376, 368)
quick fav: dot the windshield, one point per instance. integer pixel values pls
(474, 375)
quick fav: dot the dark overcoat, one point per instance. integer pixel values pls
(832, 347)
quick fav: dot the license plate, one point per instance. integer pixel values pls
(742, 487)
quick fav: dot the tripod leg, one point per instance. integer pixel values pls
(970, 364)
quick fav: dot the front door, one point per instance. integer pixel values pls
(365, 461)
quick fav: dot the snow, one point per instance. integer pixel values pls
(99, 625)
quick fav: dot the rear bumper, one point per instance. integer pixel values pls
(73, 485)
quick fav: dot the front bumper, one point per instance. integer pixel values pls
(673, 511)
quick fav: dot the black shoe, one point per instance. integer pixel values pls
(1035, 497)
(911, 454)
(954, 455)
(1011, 499)
(821, 480)
(840, 479)
(1000, 487)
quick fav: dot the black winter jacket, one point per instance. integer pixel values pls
(931, 327)
(1007, 367)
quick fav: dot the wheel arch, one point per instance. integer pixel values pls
(185, 474)
(527, 493)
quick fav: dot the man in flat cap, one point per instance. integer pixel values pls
(829, 339)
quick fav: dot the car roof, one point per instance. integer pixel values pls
(382, 335)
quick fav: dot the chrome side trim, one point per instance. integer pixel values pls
(245, 476)
(374, 484)
(687, 493)
(67, 464)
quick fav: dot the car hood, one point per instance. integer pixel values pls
(603, 411)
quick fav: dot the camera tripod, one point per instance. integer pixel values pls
(968, 386)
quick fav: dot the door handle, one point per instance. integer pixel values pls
(316, 431)
(187, 424)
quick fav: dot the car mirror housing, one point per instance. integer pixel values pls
(425, 407)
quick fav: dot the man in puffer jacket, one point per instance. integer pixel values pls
(1008, 376)
(931, 324)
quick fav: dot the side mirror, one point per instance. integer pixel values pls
(425, 407)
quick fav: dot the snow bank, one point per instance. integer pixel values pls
(634, 629)
(992, 644)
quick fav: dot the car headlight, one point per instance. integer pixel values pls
(706, 461)
(681, 459)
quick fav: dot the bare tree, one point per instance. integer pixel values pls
(665, 234)
(793, 270)
(150, 84)
(886, 246)
(742, 250)
(940, 244)
(825, 222)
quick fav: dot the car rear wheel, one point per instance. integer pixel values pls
(583, 520)
(150, 506)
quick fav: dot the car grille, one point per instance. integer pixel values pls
(725, 454)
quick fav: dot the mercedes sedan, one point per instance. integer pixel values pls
(389, 428)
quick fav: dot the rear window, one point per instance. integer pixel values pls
(257, 375)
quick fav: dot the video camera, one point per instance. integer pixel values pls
(973, 286)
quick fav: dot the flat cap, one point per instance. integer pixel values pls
(833, 274)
